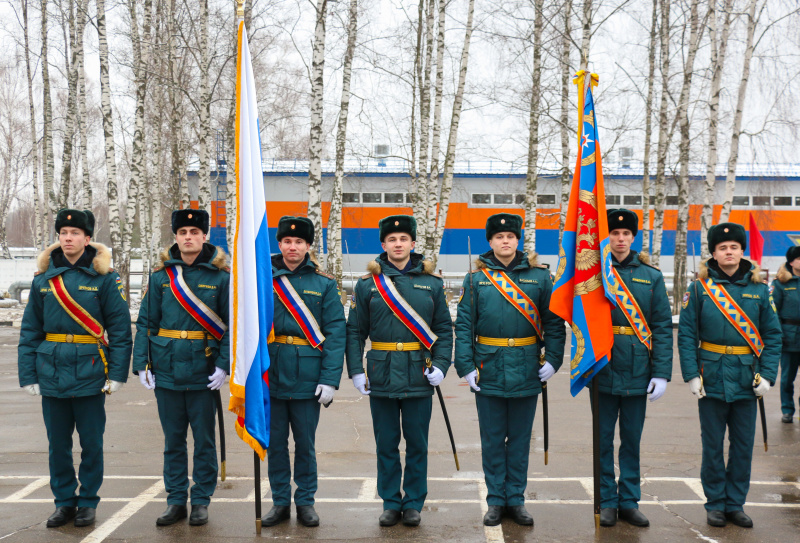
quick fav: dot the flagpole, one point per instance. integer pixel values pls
(596, 450)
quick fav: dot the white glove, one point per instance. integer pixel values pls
(112, 386)
(217, 379)
(762, 388)
(360, 382)
(325, 393)
(33, 389)
(434, 376)
(147, 379)
(656, 388)
(470, 378)
(546, 372)
(696, 386)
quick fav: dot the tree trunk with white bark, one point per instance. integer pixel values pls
(39, 213)
(532, 175)
(664, 136)
(648, 129)
(566, 77)
(316, 137)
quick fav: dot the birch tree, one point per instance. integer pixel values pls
(648, 128)
(434, 193)
(316, 136)
(423, 68)
(334, 258)
(695, 35)
(564, 130)
(203, 170)
(114, 218)
(82, 117)
(719, 46)
(532, 175)
(452, 138)
(47, 123)
(664, 134)
(39, 227)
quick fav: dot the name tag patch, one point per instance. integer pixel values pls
(210, 287)
(637, 280)
(423, 287)
(313, 293)
(84, 287)
(484, 283)
(534, 281)
(753, 296)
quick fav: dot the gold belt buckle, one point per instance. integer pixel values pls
(399, 346)
(69, 338)
(290, 340)
(511, 342)
(728, 349)
(623, 330)
(184, 334)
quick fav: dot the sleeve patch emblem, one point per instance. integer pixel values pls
(686, 299)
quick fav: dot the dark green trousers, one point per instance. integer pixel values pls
(179, 409)
(412, 416)
(726, 487)
(630, 411)
(302, 416)
(62, 416)
(789, 364)
(506, 425)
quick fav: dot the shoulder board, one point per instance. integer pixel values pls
(366, 276)
(158, 268)
(436, 275)
(649, 266)
(37, 272)
(227, 269)
(324, 274)
(544, 266)
(111, 270)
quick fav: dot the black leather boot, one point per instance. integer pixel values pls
(716, 518)
(608, 516)
(389, 517)
(307, 516)
(411, 517)
(519, 514)
(61, 516)
(634, 516)
(84, 516)
(276, 515)
(493, 516)
(171, 515)
(739, 518)
(199, 515)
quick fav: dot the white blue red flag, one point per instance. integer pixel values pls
(251, 277)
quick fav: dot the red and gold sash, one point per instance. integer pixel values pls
(734, 314)
(633, 313)
(516, 297)
(80, 315)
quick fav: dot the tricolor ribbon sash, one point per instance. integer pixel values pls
(516, 297)
(298, 309)
(630, 308)
(734, 314)
(81, 316)
(403, 311)
(193, 305)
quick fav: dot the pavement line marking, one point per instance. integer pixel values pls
(586, 482)
(265, 488)
(494, 534)
(116, 520)
(696, 486)
(369, 489)
(28, 490)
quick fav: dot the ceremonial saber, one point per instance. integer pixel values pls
(257, 473)
(218, 402)
(428, 365)
(756, 382)
(545, 419)
(596, 449)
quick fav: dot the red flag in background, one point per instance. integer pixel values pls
(756, 241)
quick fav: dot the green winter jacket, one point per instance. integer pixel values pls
(398, 374)
(632, 365)
(296, 370)
(728, 377)
(66, 370)
(509, 372)
(786, 294)
(181, 364)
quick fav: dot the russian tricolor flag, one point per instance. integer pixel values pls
(251, 278)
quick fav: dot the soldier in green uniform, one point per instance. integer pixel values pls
(188, 361)
(65, 357)
(303, 373)
(786, 293)
(637, 368)
(498, 353)
(400, 386)
(720, 366)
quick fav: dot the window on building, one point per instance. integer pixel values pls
(632, 200)
(652, 201)
(672, 200)
(481, 198)
(761, 200)
(503, 199)
(519, 199)
(393, 197)
(612, 199)
(782, 200)
(409, 198)
(740, 201)
(546, 199)
(371, 197)
(351, 197)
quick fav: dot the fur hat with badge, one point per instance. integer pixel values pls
(77, 219)
(190, 217)
(503, 222)
(793, 253)
(623, 218)
(726, 231)
(392, 224)
(297, 227)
